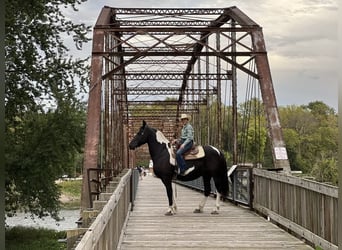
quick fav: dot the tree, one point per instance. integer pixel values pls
(44, 117)
(43, 148)
(310, 133)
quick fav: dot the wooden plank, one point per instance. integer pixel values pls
(234, 228)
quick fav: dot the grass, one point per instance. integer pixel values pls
(27, 238)
(71, 190)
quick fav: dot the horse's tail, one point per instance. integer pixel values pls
(221, 180)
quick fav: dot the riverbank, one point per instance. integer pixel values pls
(71, 193)
(24, 232)
(70, 203)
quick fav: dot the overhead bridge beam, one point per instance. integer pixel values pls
(157, 116)
(165, 103)
(164, 91)
(168, 11)
(154, 111)
(176, 30)
(158, 62)
(170, 76)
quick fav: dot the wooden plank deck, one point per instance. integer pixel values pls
(234, 228)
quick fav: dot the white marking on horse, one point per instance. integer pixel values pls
(160, 137)
(218, 151)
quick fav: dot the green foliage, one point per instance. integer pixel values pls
(37, 64)
(310, 133)
(45, 147)
(325, 170)
(23, 238)
(44, 117)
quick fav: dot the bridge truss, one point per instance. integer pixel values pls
(170, 61)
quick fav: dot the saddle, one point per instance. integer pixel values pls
(196, 152)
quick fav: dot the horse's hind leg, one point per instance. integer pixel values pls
(207, 190)
(168, 185)
(217, 204)
(201, 205)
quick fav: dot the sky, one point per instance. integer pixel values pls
(300, 35)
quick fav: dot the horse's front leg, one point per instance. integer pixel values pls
(172, 204)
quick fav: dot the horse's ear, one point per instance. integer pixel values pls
(144, 123)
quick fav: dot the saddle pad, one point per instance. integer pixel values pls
(199, 155)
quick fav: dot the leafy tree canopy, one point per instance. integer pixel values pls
(44, 117)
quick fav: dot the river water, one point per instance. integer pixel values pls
(69, 218)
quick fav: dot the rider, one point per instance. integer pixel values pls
(186, 142)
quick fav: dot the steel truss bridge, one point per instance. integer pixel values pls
(176, 60)
(153, 64)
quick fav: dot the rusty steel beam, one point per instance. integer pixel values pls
(166, 102)
(94, 111)
(159, 110)
(170, 53)
(156, 116)
(156, 62)
(156, 23)
(169, 76)
(279, 153)
(164, 91)
(124, 31)
(168, 11)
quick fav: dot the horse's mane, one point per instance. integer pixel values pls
(160, 137)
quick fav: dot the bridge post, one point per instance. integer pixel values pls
(94, 108)
(267, 91)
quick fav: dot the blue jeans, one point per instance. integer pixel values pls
(179, 156)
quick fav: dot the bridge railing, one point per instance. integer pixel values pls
(305, 207)
(104, 232)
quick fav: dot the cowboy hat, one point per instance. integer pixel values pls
(185, 116)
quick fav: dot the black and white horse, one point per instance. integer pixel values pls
(212, 165)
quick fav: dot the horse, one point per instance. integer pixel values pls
(212, 165)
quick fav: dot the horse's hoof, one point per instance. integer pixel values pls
(168, 213)
(214, 212)
(198, 211)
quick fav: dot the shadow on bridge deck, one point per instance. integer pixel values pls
(234, 228)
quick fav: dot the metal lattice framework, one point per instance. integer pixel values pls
(174, 60)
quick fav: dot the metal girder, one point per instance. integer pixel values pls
(164, 91)
(159, 110)
(170, 53)
(166, 102)
(162, 23)
(174, 30)
(169, 76)
(169, 11)
(156, 62)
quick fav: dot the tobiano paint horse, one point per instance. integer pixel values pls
(211, 165)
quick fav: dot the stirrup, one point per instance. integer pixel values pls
(189, 170)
